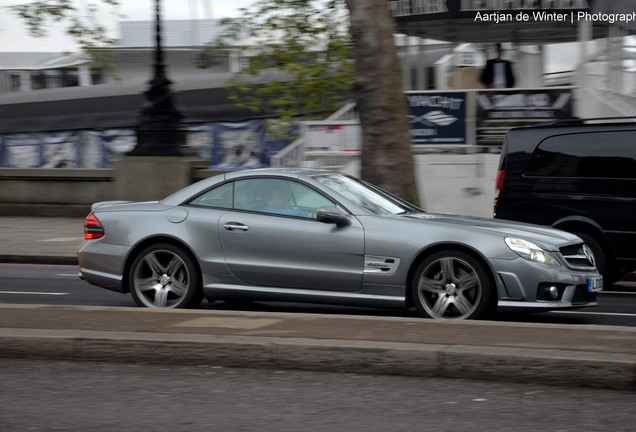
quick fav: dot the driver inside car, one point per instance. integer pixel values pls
(276, 202)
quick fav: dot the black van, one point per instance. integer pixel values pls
(578, 176)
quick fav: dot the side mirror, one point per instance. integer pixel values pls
(332, 215)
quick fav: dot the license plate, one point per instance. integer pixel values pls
(594, 284)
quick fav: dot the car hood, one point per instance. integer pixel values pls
(546, 237)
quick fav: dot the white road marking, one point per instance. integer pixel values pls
(594, 313)
(33, 293)
(617, 292)
(62, 239)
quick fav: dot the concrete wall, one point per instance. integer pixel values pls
(70, 192)
(447, 183)
(53, 192)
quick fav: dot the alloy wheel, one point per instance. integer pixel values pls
(451, 287)
(163, 278)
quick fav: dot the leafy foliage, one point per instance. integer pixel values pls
(304, 45)
(80, 20)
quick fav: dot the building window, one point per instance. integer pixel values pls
(55, 78)
(97, 76)
(14, 82)
(70, 77)
(38, 80)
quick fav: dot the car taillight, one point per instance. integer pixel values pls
(93, 229)
(501, 175)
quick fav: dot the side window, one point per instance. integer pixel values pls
(218, 197)
(590, 155)
(277, 196)
(247, 195)
(307, 198)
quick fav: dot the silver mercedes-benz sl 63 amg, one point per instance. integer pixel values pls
(318, 236)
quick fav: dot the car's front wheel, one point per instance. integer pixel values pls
(164, 276)
(452, 285)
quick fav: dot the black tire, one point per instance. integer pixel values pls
(603, 261)
(453, 285)
(164, 276)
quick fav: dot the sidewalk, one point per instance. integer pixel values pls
(40, 240)
(570, 355)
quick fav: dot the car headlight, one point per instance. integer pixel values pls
(531, 251)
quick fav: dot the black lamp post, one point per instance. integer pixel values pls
(160, 131)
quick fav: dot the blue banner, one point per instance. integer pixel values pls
(437, 117)
(238, 145)
(225, 145)
(48, 150)
(112, 144)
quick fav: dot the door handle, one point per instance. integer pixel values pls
(235, 226)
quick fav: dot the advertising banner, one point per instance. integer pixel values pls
(510, 108)
(22, 151)
(102, 148)
(225, 145)
(200, 138)
(48, 150)
(437, 117)
(238, 145)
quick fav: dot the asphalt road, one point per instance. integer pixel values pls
(75, 396)
(60, 285)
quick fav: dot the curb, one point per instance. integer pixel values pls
(523, 365)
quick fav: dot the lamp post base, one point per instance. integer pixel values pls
(161, 141)
(151, 178)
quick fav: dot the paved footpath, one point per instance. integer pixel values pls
(553, 354)
(40, 240)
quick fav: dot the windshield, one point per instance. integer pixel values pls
(366, 195)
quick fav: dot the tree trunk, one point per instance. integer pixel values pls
(387, 160)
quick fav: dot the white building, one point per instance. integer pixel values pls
(34, 71)
(183, 42)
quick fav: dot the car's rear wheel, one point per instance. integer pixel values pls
(452, 285)
(164, 276)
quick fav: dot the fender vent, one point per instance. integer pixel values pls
(377, 264)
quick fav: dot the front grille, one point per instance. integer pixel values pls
(576, 257)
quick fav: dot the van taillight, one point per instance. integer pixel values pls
(93, 229)
(501, 175)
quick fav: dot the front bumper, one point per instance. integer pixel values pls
(525, 284)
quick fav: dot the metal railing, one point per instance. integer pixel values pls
(294, 155)
(289, 157)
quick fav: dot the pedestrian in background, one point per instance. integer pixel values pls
(498, 72)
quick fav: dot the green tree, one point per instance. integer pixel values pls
(323, 52)
(303, 45)
(79, 21)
